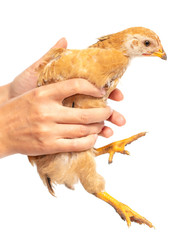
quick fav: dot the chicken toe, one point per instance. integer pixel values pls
(118, 146)
(125, 212)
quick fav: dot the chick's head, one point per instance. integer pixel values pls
(140, 41)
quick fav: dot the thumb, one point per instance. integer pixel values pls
(62, 43)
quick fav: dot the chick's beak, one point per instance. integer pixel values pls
(161, 53)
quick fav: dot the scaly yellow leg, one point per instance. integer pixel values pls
(125, 212)
(118, 146)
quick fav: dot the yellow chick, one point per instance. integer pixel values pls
(102, 64)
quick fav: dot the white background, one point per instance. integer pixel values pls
(156, 179)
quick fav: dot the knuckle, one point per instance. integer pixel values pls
(75, 86)
(96, 128)
(38, 114)
(37, 108)
(43, 115)
(38, 93)
(109, 112)
(101, 125)
(41, 132)
(84, 117)
(91, 141)
(83, 144)
(41, 136)
(74, 145)
(83, 131)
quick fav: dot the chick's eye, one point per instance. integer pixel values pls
(147, 43)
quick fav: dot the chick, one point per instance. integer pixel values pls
(102, 64)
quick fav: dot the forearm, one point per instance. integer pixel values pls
(4, 93)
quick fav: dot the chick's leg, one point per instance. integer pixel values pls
(125, 212)
(118, 146)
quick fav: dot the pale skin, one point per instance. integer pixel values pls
(34, 122)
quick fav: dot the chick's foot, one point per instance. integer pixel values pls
(125, 212)
(118, 146)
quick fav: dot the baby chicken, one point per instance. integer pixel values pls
(102, 64)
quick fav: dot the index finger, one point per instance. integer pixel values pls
(67, 88)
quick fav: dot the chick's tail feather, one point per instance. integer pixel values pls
(49, 185)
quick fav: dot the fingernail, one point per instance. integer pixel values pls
(122, 120)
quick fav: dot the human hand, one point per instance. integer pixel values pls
(37, 123)
(27, 80)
